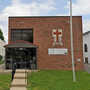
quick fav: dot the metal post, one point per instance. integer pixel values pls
(72, 49)
(25, 67)
(12, 62)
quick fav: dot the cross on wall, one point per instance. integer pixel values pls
(57, 33)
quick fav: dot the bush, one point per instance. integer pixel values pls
(1, 58)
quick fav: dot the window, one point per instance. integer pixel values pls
(26, 35)
(85, 48)
(86, 60)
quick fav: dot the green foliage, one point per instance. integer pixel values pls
(58, 80)
(1, 35)
(1, 58)
(1, 61)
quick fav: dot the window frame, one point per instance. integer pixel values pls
(13, 38)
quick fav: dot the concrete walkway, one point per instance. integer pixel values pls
(20, 80)
(87, 67)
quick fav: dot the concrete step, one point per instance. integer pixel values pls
(21, 71)
(18, 88)
(20, 76)
(19, 82)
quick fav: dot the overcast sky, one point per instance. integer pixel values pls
(42, 8)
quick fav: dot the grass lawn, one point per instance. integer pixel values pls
(58, 80)
(5, 80)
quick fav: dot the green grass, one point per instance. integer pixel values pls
(58, 80)
(1, 62)
(5, 80)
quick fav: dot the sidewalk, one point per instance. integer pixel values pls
(87, 67)
(20, 80)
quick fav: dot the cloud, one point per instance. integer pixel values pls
(34, 8)
(63, 14)
(80, 7)
(86, 25)
(18, 8)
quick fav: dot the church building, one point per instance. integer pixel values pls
(43, 42)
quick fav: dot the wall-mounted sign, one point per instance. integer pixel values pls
(57, 37)
(57, 51)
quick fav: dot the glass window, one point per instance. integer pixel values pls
(86, 60)
(26, 35)
(85, 48)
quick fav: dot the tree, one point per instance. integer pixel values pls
(1, 35)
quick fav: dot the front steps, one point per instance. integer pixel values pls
(19, 76)
(20, 80)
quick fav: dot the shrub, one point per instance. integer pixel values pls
(1, 58)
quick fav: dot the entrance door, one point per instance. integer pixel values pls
(20, 59)
(25, 58)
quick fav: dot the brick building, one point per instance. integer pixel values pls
(43, 42)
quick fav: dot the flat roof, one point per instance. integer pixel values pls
(40, 16)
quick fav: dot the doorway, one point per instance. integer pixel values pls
(25, 58)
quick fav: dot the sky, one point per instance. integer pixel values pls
(43, 8)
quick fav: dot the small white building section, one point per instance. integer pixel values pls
(2, 49)
(86, 47)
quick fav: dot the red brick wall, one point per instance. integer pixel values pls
(43, 27)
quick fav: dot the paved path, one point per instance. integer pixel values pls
(20, 80)
(87, 67)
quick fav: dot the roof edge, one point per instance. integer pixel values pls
(86, 33)
(39, 16)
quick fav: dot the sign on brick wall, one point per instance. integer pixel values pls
(57, 51)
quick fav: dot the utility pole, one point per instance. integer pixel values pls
(72, 49)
